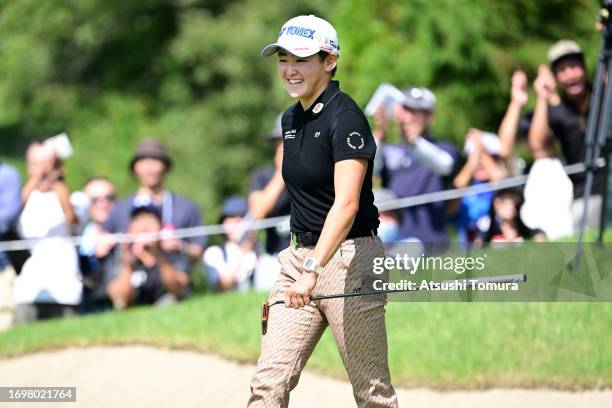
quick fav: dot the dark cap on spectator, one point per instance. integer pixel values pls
(146, 209)
(562, 49)
(234, 206)
(277, 132)
(153, 149)
(419, 98)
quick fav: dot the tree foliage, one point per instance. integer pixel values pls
(189, 72)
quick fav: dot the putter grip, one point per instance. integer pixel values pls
(265, 310)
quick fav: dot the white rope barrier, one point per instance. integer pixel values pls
(465, 191)
(206, 230)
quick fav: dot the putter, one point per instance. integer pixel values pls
(265, 307)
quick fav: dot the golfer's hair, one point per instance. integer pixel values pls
(323, 55)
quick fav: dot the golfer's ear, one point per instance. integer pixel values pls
(331, 60)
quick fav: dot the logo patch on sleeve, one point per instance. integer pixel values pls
(355, 141)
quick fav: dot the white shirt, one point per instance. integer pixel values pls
(219, 264)
(549, 194)
(51, 274)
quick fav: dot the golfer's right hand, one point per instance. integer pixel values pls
(298, 295)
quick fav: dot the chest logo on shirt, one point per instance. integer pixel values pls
(317, 108)
(355, 141)
(290, 134)
(317, 134)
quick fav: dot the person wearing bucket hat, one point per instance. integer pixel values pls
(231, 265)
(327, 168)
(561, 113)
(150, 164)
(150, 148)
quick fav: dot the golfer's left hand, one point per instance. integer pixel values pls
(298, 295)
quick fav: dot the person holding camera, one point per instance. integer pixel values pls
(147, 276)
(49, 284)
(150, 165)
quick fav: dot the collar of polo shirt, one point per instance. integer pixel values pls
(330, 92)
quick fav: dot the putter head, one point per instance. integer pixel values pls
(265, 309)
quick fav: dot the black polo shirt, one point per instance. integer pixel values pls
(569, 127)
(333, 129)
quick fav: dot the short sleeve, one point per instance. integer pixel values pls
(351, 137)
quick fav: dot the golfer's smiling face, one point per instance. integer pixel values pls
(304, 77)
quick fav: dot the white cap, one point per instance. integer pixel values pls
(304, 36)
(561, 49)
(490, 141)
(419, 98)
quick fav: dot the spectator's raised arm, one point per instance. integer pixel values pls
(439, 160)
(63, 194)
(544, 86)
(510, 123)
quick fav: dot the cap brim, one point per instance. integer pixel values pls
(417, 106)
(164, 159)
(270, 50)
(273, 49)
(554, 61)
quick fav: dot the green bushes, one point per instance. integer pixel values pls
(189, 72)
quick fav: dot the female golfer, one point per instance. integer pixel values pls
(327, 168)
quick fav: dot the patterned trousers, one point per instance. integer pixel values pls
(357, 324)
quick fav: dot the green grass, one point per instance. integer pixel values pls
(444, 345)
(439, 345)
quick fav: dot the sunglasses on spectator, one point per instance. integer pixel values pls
(106, 197)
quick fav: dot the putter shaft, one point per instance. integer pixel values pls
(517, 278)
(265, 307)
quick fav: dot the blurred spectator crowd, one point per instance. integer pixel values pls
(157, 267)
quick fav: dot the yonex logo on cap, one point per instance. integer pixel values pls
(304, 36)
(299, 31)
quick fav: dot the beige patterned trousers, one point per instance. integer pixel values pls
(357, 324)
